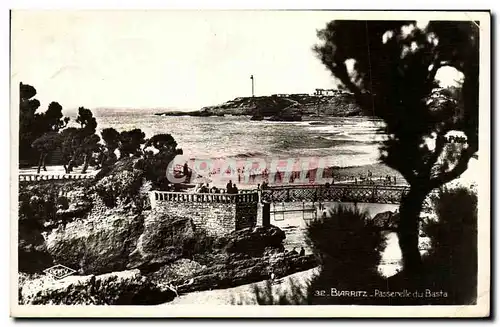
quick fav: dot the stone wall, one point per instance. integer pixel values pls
(217, 219)
(246, 215)
(263, 214)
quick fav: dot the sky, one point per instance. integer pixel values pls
(165, 59)
(176, 59)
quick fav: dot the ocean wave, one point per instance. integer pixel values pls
(349, 139)
(249, 154)
(314, 123)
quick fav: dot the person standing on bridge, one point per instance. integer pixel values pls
(234, 189)
(277, 176)
(185, 171)
(302, 252)
(229, 187)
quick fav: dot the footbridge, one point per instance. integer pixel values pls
(334, 193)
(294, 193)
(255, 206)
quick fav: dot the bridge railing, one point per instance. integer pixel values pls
(223, 191)
(331, 186)
(244, 197)
(335, 193)
(47, 177)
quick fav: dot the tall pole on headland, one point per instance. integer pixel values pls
(251, 77)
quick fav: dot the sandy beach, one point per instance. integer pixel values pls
(359, 174)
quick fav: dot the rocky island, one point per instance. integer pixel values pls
(281, 107)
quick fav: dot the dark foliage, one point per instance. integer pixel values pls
(111, 139)
(156, 161)
(131, 142)
(348, 247)
(34, 210)
(452, 261)
(46, 144)
(33, 125)
(394, 77)
(349, 261)
(79, 145)
(123, 186)
(295, 296)
(86, 120)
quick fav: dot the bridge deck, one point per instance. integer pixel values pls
(335, 193)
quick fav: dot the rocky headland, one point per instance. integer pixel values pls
(290, 107)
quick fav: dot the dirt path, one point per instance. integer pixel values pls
(244, 294)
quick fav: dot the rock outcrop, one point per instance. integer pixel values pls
(32, 252)
(165, 239)
(290, 107)
(123, 256)
(73, 204)
(254, 241)
(293, 113)
(117, 288)
(386, 220)
(243, 271)
(98, 244)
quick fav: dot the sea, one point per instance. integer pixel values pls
(341, 141)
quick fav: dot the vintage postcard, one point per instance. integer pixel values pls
(250, 163)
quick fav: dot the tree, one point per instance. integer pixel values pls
(391, 68)
(348, 247)
(52, 119)
(111, 139)
(89, 146)
(88, 140)
(27, 109)
(130, 142)
(86, 120)
(33, 125)
(78, 146)
(155, 164)
(163, 143)
(44, 145)
(453, 256)
(70, 147)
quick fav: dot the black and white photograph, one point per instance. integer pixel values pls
(303, 162)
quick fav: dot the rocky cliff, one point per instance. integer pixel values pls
(286, 106)
(125, 256)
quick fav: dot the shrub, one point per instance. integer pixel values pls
(123, 186)
(348, 247)
(452, 261)
(62, 202)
